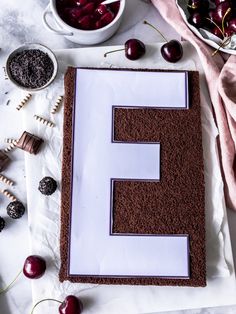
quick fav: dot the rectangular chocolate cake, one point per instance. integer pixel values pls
(133, 190)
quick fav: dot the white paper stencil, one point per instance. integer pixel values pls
(98, 160)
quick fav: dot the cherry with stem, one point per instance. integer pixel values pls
(171, 51)
(134, 49)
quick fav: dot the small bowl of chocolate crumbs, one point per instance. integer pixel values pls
(32, 67)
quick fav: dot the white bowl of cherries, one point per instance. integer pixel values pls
(85, 22)
(213, 21)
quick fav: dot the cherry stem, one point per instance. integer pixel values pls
(192, 6)
(146, 22)
(44, 301)
(105, 54)
(216, 25)
(222, 45)
(12, 283)
(223, 20)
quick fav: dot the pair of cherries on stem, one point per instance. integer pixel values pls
(171, 51)
(34, 268)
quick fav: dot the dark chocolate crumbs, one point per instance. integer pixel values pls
(47, 186)
(2, 224)
(31, 68)
(15, 210)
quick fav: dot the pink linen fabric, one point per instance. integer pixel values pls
(221, 79)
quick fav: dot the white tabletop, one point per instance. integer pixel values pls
(21, 22)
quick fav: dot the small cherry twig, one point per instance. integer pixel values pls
(11, 284)
(43, 301)
(147, 23)
(222, 45)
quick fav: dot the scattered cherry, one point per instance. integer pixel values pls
(134, 49)
(171, 51)
(34, 267)
(71, 305)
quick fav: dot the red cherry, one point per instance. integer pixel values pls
(71, 305)
(102, 9)
(114, 7)
(198, 6)
(86, 22)
(89, 8)
(172, 51)
(98, 24)
(134, 49)
(217, 2)
(216, 31)
(221, 10)
(107, 18)
(75, 13)
(212, 16)
(81, 2)
(228, 32)
(196, 19)
(34, 267)
(232, 24)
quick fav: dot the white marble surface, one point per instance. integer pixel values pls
(21, 22)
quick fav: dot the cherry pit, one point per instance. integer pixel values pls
(87, 14)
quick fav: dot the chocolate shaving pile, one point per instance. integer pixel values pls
(31, 68)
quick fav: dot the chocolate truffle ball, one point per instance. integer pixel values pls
(2, 224)
(47, 186)
(15, 210)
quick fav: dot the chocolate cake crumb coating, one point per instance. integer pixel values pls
(175, 205)
(29, 143)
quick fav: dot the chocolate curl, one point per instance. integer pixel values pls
(44, 121)
(9, 195)
(4, 160)
(57, 105)
(29, 143)
(6, 180)
(24, 101)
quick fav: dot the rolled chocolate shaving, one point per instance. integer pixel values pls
(29, 143)
(4, 160)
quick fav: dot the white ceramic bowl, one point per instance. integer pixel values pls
(30, 46)
(204, 35)
(84, 37)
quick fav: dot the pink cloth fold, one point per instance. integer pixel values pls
(221, 79)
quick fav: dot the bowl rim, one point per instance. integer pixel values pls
(31, 46)
(82, 31)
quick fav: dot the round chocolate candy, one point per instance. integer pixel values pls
(15, 210)
(47, 186)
